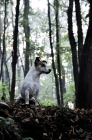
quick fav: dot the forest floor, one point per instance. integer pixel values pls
(44, 123)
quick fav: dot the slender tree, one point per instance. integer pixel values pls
(52, 55)
(4, 47)
(14, 53)
(56, 5)
(4, 70)
(73, 45)
(0, 41)
(63, 80)
(27, 35)
(79, 30)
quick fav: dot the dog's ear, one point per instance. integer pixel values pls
(37, 60)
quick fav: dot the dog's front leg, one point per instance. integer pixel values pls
(36, 98)
(26, 96)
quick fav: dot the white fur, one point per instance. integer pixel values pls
(31, 85)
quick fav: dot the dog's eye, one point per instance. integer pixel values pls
(43, 65)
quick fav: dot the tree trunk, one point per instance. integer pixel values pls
(0, 46)
(18, 71)
(4, 50)
(0, 57)
(56, 4)
(80, 39)
(80, 33)
(85, 76)
(14, 53)
(27, 35)
(73, 46)
(4, 47)
(52, 55)
(63, 80)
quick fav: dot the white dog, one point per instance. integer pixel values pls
(31, 85)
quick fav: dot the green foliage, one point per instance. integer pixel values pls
(27, 138)
(70, 94)
(4, 87)
(47, 94)
(7, 130)
(6, 123)
(11, 121)
(47, 102)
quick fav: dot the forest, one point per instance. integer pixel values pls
(62, 37)
(60, 32)
(57, 31)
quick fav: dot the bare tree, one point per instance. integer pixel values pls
(52, 55)
(82, 62)
(14, 53)
(56, 5)
(85, 75)
(27, 35)
(73, 45)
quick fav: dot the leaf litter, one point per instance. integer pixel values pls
(50, 122)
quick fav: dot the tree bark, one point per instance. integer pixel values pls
(85, 75)
(27, 35)
(4, 49)
(56, 4)
(14, 53)
(52, 55)
(80, 33)
(73, 47)
(63, 80)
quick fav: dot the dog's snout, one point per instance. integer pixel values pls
(49, 70)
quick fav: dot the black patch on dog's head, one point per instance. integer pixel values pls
(44, 61)
(37, 60)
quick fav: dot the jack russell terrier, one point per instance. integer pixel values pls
(31, 85)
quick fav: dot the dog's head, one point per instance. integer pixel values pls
(41, 66)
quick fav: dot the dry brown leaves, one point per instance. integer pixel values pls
(51, 122)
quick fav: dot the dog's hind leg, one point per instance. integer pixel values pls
(18, 99)
(26, 96)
